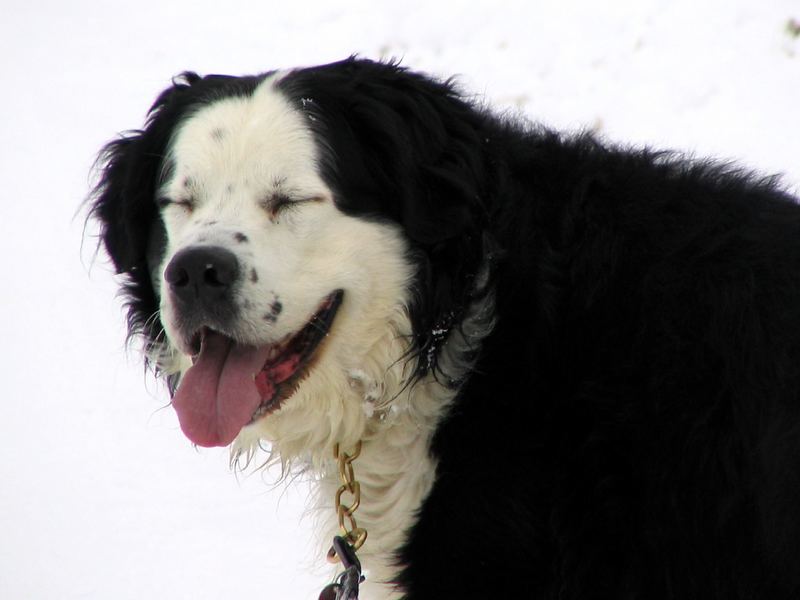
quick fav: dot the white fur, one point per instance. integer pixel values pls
(230, 158)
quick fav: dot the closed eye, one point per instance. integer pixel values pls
(279, 202)
(163, 202)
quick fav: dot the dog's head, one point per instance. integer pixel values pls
(295, 244)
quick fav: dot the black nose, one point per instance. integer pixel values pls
(202, 274)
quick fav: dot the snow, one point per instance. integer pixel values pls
(102, 496)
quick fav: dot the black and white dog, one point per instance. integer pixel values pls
(574, 368)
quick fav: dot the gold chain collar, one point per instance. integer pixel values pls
(354, 535)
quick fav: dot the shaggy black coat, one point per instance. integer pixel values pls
(631, 429)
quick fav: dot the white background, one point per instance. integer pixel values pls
(101, 496)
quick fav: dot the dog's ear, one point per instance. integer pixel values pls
(401, 144)
(124, 205)
(130, 167)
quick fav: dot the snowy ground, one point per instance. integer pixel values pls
(102, 497)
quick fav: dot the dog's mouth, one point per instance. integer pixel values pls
(231, 385)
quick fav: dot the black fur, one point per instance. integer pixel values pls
(631, 429)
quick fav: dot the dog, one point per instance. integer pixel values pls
(572, 368)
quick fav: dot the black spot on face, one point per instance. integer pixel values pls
(270, 318)
(240, 237)
(276, 308)
(253, 276)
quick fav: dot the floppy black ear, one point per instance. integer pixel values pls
(396, 144)
(124, 205)
(124, 199)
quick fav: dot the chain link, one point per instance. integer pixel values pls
(355, 535)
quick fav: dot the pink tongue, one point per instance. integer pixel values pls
(218, 395)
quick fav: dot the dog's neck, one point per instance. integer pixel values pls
(396, 469)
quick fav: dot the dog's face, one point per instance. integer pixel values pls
(285, 242)
(265, 285)
(245, 217)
